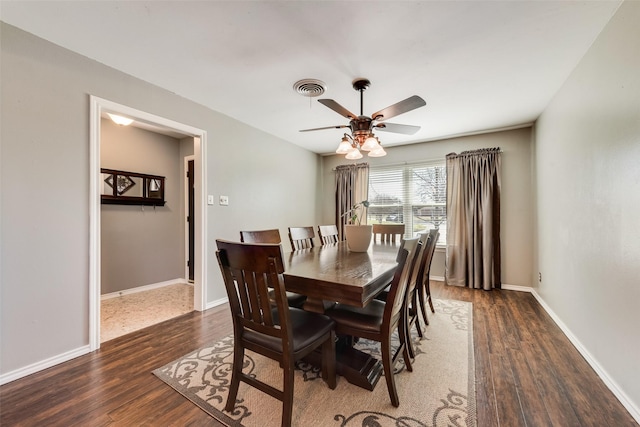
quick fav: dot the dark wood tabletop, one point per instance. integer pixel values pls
(332, 273)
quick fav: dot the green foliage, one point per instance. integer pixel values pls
(355, 213)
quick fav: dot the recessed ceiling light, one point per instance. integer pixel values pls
(119, 120)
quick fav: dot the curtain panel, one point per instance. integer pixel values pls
(473, 219)
(352, 186)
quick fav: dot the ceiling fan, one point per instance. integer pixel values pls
(362, 137)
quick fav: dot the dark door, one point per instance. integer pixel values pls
(190, 218)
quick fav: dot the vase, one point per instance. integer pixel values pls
(358, 237)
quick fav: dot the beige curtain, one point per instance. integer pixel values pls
(473, 219)
(352, 186)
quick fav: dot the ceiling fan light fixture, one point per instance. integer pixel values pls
(362, 137)
(378, 152)
(371, 143)
(354, 154)
(345, 146)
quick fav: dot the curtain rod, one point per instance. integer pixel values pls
(438, 160)
(357, 165)
(474, 152)
(435, 160)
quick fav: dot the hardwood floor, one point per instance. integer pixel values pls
(527, 374)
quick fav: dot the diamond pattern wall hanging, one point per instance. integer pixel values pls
(124, 183)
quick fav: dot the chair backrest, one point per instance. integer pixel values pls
(261, 236)
(417, 269)
(301, 237)
(398, 291)
(434, 234)
(249, 270)
(425, 239)
(388, 233)
(328, 234)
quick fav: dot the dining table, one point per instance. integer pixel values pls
(332, 274)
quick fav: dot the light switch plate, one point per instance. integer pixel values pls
(210, 200)
(224, 200)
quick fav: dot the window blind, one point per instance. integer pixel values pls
(414, 194)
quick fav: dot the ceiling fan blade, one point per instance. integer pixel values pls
(326, 127)
(396, 128)
(401, 107)
(337, 108)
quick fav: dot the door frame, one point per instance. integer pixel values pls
(186, 161)
(98, 106)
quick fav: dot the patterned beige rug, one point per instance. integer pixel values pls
(439, 392)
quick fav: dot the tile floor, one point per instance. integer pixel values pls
(131, 312)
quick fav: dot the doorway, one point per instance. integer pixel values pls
(99, 107)
(190, 228)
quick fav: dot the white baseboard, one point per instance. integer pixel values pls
(145, 288)
(216, 303)
(43, 364)
(600, 371)
(504, 285)
(518, 288)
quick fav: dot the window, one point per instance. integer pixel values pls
(414, 194)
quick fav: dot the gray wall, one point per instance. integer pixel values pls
(44, 307)
(141, 245)
(516, 210)
(588, 188)
(586, 201)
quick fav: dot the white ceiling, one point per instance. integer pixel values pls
(480, 65)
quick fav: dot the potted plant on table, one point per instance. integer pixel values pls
(358, 236)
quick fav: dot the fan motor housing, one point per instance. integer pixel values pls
(360, 125)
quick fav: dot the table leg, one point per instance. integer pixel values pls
(357, 367)
(316, 305)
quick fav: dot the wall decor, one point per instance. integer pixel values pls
(131, 188)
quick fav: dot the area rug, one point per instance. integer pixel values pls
(439, 392)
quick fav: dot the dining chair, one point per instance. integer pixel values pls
(388, 233)
(411, 302)
(378, 320)
(261, 236)
(424, 290)
(328, 234)
(415, 281)
(272, 236)
(282, 333)
(301, 237)
(414, 303)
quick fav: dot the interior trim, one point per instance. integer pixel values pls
(43, 364)
(97, 107)
(591, 360)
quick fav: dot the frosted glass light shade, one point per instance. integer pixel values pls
(378, 152)
(354, 154)
(371, 143)
(344, 147)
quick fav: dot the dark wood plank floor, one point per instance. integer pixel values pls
(527, 374)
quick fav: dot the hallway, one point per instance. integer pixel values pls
(131, 312)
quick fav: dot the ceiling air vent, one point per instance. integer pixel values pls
(310, 87)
